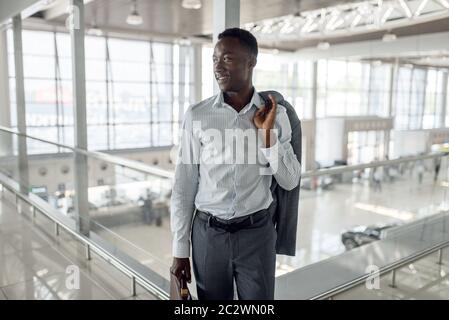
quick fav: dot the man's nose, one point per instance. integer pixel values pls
(218, 66)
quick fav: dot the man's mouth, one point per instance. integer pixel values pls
(221, 78)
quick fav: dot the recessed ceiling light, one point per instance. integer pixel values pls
(191, 4)
(323, 45)
(389, 37)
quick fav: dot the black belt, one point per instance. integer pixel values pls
(231, 225)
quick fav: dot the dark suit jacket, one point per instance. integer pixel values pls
(285, 215)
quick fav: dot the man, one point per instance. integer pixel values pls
(232, 234)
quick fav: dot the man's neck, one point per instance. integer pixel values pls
(238, 100)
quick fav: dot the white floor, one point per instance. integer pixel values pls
(34, 264)
(323, 216)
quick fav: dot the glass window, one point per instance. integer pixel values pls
(38, 43)
(132, 136)
(39, 67)
(97, 137)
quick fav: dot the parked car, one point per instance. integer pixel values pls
(360, 235)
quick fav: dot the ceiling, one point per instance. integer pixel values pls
(169, 18)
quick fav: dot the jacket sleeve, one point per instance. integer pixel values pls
(283, 162)
(185, 186)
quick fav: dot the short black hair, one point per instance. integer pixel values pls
(245, 37)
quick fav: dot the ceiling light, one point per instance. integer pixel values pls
(389, 37)
(95, 31)
(134, 18)
(191, 4)
(421, 8)
(323, 45)
(406, 8)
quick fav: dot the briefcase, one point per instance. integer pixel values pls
(179, 289)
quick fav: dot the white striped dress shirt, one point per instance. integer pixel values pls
(226, 189)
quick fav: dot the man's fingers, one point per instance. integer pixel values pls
(273, 103)
(188, 275)
(272, 113)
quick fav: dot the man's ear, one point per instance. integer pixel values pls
(252, 62)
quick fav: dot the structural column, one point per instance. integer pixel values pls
(444, 101)
(21, 110)
(393, 74)
(226, 15)
(196, 76)
(76, 26)
(5, 105)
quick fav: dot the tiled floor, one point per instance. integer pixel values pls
(34, 264)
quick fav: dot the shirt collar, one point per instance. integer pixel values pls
(255, 100)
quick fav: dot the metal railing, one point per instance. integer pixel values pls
(144, 168)
(406, 244)
(138, 273)
(101, 156)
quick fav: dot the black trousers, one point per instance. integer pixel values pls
(247, 256)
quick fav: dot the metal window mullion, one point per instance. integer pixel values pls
(444, 100)
(111, 110)
(409, 115)
(106, 61)
(423, 102)
(151, 94)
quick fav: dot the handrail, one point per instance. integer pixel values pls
(374, 164)
(101, 156)
(404, 247)
(170, 174)
(139, 273)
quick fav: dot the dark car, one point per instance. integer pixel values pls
(361, 235)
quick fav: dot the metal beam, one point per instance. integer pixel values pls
(20, 101)
(59, 9)
(403, 46)
(79, 104)
(10, 9)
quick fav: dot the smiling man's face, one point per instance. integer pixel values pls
(233, 65)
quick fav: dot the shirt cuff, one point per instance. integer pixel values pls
(181, 249)
(273, 153)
